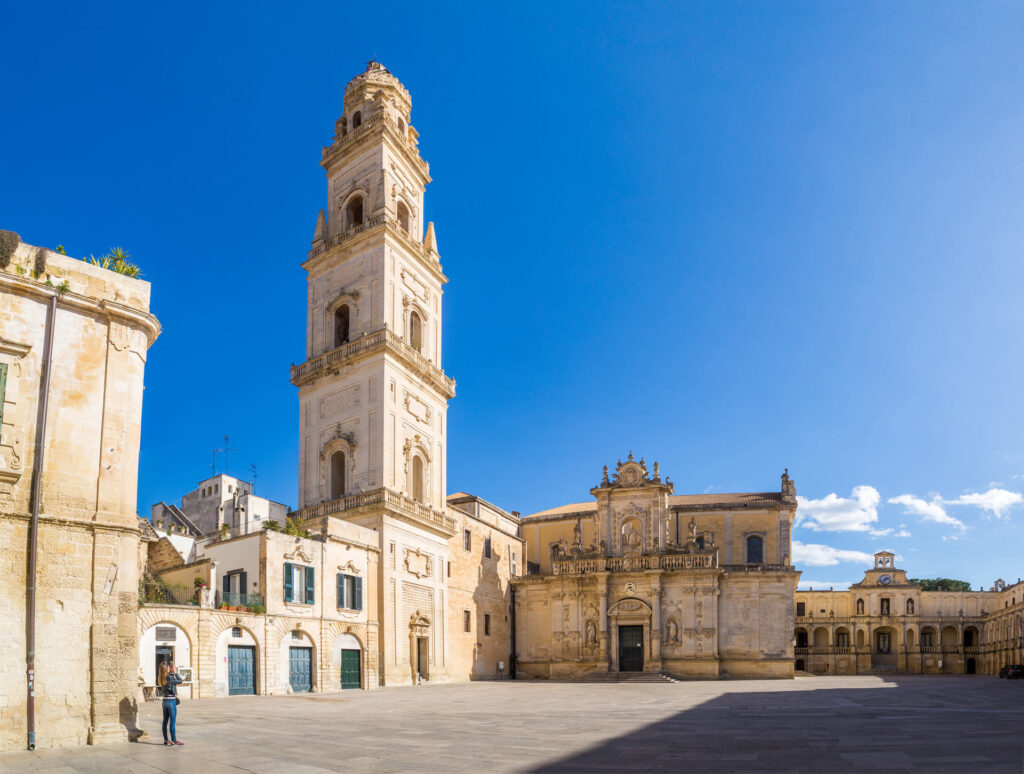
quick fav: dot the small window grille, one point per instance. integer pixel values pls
(236, 631)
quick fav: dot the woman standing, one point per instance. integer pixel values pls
(169, 680)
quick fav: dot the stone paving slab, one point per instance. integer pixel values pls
(930, 724)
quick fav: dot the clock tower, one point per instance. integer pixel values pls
(372, 395)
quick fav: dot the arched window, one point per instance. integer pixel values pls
(910, 607)
(417, 478)
(755, 549)
(401, 126)
(403, 217)
(337, 475)
(357, 119)
(801, 638)
(354, 213)
(341, 329)
(416, 331)
(860, 607)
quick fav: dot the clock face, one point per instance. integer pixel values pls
(885, 580)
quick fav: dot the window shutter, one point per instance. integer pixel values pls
(243, 589)
(341, 590)
(358, 601)
(310, 585)
(3, 389)
(225, 584)
(287, 582)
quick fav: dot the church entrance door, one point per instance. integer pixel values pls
(631, 648)
(423, 658)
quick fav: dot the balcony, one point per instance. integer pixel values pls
(246, 603)
(396, 503)
(385, 339)
(159, 593)
(579, 566)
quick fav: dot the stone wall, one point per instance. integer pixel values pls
(88, 552)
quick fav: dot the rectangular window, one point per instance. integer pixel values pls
(487, 547)
(842, 640)
(236, 631)
(467, 540)
(350, 592)
(926, 639)
(801, 609)
(487, 624)
(465, 620)
(299, 583)
(449, 569)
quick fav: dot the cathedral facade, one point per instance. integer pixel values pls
(643, 580)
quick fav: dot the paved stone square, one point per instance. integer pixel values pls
(834, 724)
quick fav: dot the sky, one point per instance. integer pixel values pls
(730, 237)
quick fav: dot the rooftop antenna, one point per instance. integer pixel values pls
(227, 450)
(252, 478)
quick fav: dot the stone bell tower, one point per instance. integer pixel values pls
(373, 397)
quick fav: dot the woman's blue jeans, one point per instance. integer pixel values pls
(170, 715)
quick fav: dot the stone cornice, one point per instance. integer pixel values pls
(382, 340)
(376, 128)
(393, 503)
(103, 308)
(354, 240)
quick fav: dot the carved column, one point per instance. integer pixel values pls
(656, 622)
(602, 636)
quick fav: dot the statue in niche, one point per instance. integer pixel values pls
(632, 537)
(591, 634)
(672, 632)
(577, 538)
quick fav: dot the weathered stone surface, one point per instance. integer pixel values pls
(88, 535)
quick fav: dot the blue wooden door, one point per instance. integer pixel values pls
(300, 669)
(241, 672)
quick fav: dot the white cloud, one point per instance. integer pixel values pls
(832, 513)
(890, 532)
(928, 511)
(824, 585)
(995, 501)
(817, 555)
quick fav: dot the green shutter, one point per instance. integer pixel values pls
(225, 584)
(310, 585)
(358, 594)
(243, 589)
(341, 590)
(288, 596)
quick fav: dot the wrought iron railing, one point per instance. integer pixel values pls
(249, 601)
(158, 593)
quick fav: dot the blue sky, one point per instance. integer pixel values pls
(731, 237)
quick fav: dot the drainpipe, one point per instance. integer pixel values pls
(512, 656)
(33, 535)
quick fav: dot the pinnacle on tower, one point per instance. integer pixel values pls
(321, 228)
(430, 240)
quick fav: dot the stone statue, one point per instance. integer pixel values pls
(591, 633)
(672, 631)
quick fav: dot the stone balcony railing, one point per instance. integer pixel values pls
(386, 338)
(396, 501)
(580, 566)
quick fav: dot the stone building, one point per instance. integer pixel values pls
(88, 533)
(642, 579)
(886, 623)
(267, 613)
(221, 502)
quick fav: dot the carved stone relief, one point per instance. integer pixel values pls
(418, 563)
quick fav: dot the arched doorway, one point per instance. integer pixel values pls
(297, 662)
(419, 646)
(166, 641)
(630, 623)
(883, 647)
(800, 666)
(238, 662)
(972, 666)
(348, 661)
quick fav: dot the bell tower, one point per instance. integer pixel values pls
(373, 398)
(373, 395)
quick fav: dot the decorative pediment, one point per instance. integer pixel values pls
(630, 606)
(631, 473)
(349, 568)
(299, 554)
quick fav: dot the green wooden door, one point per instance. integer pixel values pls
(350, 669)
